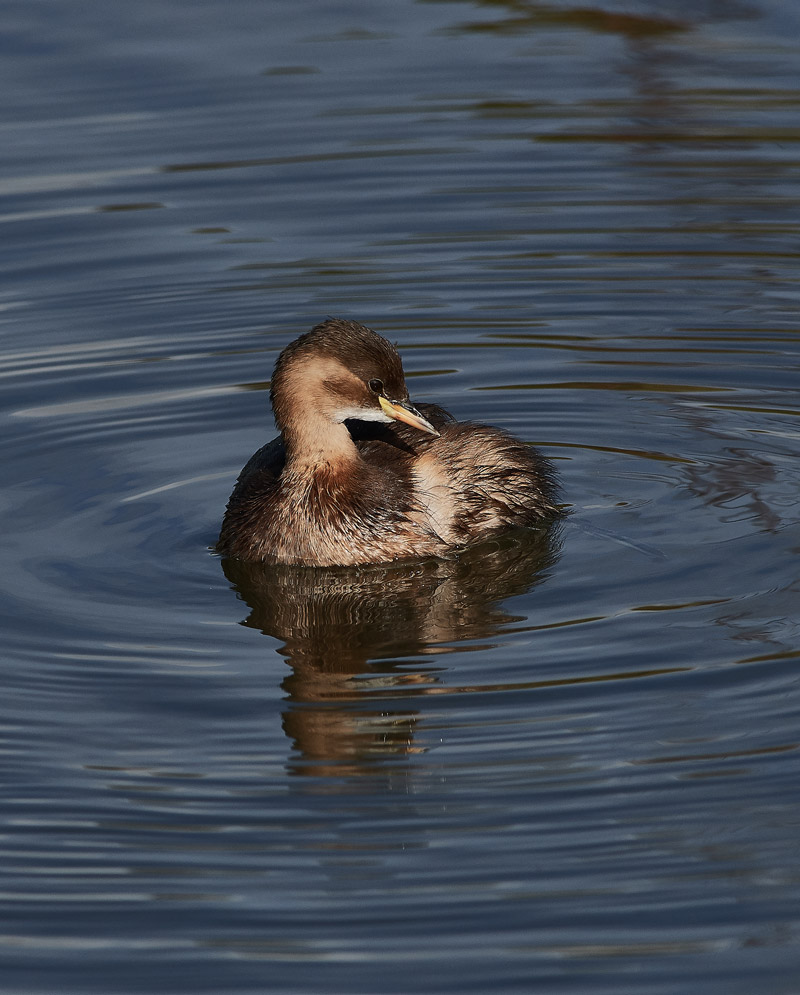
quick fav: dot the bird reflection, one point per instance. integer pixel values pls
(348, 634)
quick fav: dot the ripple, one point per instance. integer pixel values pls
(550, 758)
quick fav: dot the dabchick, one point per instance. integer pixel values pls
(358, 475)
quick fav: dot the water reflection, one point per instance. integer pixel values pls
(740, 483)
(515, 17)
(337, 623)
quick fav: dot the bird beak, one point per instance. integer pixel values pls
(402, 411)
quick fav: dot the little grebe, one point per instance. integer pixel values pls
(360, 476)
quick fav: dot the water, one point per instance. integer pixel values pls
(556, 763)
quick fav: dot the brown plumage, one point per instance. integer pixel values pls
(359, 476)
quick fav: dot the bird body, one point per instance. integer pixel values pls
(359, 476)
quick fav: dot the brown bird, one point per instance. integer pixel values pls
(358, 475)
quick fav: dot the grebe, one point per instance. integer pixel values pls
(360, 476)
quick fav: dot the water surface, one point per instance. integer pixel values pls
(558, 762)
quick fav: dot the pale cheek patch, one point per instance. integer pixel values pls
(362, 414)
(322, 385)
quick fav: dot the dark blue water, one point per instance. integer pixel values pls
(557, 763)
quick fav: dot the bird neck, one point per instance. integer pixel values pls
(315, 440)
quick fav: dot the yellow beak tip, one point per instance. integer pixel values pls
(405, 413)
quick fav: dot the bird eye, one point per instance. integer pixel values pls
(376, 386)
